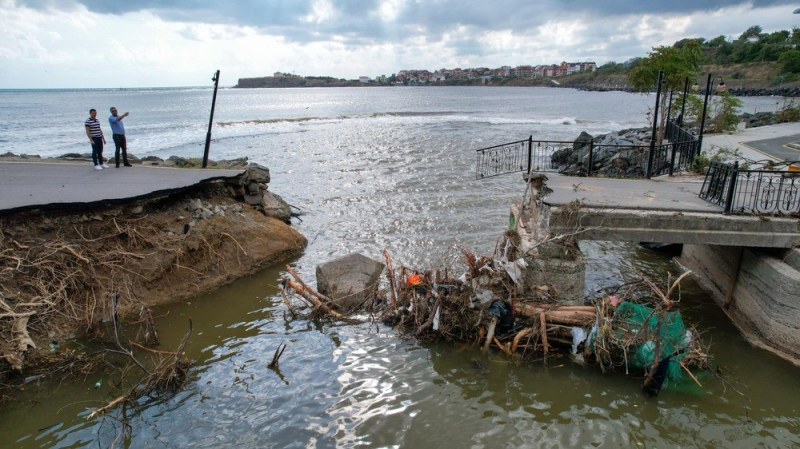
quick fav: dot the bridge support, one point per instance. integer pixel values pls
(757, 288)
(552, 261)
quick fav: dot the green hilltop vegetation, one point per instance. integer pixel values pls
(755, 63)
(755, 60)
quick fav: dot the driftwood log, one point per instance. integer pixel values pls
(567, 315)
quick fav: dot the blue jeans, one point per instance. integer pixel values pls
(97, 150)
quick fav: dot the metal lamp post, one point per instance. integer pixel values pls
(683, 104)
(655, 127)
(215, 79)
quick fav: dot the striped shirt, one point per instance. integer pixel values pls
(94, 127)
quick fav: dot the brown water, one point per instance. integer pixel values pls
(365, 386)
(399, 175)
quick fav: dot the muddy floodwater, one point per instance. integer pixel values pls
(393, 168)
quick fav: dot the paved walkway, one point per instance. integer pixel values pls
(674, 193)
(25, 185)
(758, 144)
(659, 194)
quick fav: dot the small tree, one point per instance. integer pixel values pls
(790, 61)
(725, 115)
(677, 64)
(722, 113)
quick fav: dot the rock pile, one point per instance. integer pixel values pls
(620, 154)
(254, 183)
(205, 211)
(766, 92)
(759, 119)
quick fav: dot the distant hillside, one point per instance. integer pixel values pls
(295, 81)
(752, 78)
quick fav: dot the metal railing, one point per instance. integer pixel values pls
(521, 156)
(582, 158)
(752, 191)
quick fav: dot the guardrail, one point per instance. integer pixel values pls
(520, 156)
(581, 158)
(752, 191)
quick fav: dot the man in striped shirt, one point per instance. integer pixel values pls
(95, 135)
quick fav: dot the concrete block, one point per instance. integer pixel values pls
(351, 280)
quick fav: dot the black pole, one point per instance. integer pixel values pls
(683, 105)
(703, 119)
(215, 79)
(530, 152)
(669, 104)
(655, 125)
(731, 188)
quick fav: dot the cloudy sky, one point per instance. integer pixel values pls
(143, 43)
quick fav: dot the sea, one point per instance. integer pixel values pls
(372, 169)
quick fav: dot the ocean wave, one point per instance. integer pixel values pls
(270, 121)
(413, 114)
(401, 114)
(533, 121)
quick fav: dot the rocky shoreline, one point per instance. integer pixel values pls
(152, 161)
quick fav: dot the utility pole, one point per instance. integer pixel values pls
(215, 79)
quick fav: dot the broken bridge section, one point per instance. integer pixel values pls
(558, 211)
(657, 211)
(747, 264)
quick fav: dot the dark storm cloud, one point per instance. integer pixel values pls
(356, 19)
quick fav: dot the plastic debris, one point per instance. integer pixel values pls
(579, 335)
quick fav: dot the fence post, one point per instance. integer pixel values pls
(683, 105)
(669, 104)
(649, 172)
(703, 119)
(591, 159)
(731, 188)
(672, 160)
(530, 152)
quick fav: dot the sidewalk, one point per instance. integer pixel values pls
(676, 194)
(758, 144)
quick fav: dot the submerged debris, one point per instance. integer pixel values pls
(632, 329)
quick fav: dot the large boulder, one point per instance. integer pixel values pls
(583, 140)
(274, 206)
(351, 280)
(256, 173)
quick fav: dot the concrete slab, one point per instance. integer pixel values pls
(657, 195)
(659, 210)
(27, 185)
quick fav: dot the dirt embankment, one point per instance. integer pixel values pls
(60, 270)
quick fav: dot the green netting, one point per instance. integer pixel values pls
(643, 322)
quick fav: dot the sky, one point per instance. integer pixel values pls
(152, 43)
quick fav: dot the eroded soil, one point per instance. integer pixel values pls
(60, 270)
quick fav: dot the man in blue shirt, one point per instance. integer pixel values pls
(118, 133)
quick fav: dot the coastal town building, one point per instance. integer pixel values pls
(485, 74)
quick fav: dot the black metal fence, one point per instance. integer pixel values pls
(686, 147)
(521, 156)
(752, 191)
(586, 158)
